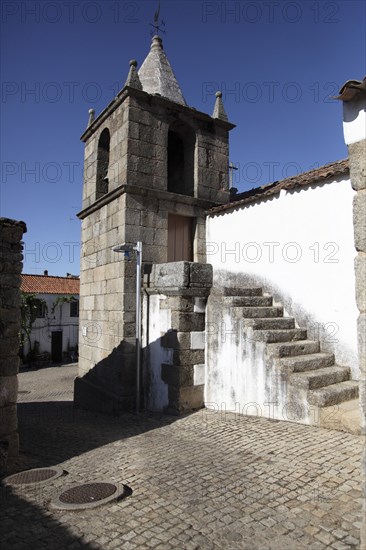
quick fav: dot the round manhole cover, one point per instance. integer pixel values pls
(90, 492)
(89, 495)
(33, 477)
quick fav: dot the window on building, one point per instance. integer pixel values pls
(40, 309)
(74, 308)
(103, 163)
(181, 145)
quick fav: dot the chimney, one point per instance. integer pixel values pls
(45, 272)
(353, 95)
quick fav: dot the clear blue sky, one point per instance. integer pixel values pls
(277, 63)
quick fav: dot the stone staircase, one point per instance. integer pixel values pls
(311, 377)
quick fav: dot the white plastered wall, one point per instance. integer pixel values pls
(54, 321)
(298, 246)
(354, 120)
(155, 355)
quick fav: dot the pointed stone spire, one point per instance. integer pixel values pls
(157, 76)
(133, 78)
(91, 117)
(219, 110)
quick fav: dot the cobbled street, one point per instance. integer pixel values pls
(209, 480)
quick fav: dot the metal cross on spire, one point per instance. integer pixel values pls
(232, 167)
(158, 23)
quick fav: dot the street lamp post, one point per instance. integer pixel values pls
(127, 249)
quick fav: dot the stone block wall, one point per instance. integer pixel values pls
(147, 145)
(136, 208)
(107, 313)
(117, 124)
(174, 336)
(149, 121)
(355, 137)
(11, 233)
(147, 221)
(139, 126)
(107, 280)
(357, 159)
(212, 164)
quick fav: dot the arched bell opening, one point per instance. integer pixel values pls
(181, 147)
(103, 163)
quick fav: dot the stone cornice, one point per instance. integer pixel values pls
(127, 91)
(197, 292)
(148, 193)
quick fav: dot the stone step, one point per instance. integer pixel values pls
(248, 301)
(319, 378)
(300, 363)
(289, 349)
(242, 291)
(253, 312)
(271, 336)
(334, 394)
(268, 323)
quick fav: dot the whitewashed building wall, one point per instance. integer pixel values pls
(299, 247)
(59, 320)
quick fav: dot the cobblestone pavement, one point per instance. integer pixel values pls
(54, 383)
(209, 480)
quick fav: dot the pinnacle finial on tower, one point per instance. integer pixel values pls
(157, 76)
(133, 78)
(91, 116)
(156, 43)
(219, 110)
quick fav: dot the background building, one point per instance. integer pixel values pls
(54, 332)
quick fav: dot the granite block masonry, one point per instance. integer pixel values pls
(11, 233)
(174, 336)
(153, 166)
(353, 95)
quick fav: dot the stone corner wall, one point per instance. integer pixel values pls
(11, 233)
(174, 341)
(357, 159)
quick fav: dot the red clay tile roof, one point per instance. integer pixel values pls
(46, 284)
(332, 170)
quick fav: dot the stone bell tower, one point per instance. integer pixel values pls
(153, 166)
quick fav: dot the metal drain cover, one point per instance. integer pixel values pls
(34, 477)
(89, 495)
(90, 492)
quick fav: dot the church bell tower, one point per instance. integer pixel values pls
(153, 167)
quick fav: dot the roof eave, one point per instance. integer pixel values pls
(302, 180)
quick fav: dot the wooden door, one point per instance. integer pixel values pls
(180, 238)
